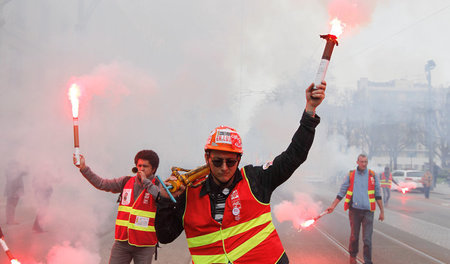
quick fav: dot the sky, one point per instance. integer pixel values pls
(161, 75)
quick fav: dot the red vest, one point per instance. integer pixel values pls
(370, 191)
(246, 235)
(386, 183)
(136, 219)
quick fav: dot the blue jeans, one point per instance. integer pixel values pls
(357, 219)
(426, 191)
(123, 253)
(386, 195)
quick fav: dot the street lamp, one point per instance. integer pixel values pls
(428, 67)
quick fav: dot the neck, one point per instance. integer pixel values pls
(223, 185)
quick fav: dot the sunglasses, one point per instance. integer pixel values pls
(217, 162)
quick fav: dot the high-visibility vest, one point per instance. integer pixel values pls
(135, 221)
(386, 183)
(246, 234)
(370, 191)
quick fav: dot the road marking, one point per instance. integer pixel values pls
(406, 245)
(409, 247)
(337, 243)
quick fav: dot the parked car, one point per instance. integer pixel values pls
(409, 178)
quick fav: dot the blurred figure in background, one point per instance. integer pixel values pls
(427, 180)
(14, 190)
(386, 183)
(42, 183)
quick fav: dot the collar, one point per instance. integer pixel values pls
(361, 172)
(211, 187)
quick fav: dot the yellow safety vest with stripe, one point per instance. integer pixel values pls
(386, 183)
(246, 234)
(370, 191)
(135, 221)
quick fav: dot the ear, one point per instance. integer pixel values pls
(206, 157)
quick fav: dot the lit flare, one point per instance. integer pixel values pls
(337, 27)
(74, 97)
(336, 30)
(309, 222)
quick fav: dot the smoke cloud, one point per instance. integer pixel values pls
(161, 76)
(301, 209)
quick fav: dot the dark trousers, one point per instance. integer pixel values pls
(386, 195)
(426, 191)
(357, 219)
(11, 203)
(123, 253)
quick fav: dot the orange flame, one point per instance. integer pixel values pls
(14, 261)
(404, 190)
(336, 27)
(74, 97)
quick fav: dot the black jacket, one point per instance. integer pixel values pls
(263, 181)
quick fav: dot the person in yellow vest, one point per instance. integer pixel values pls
(361, 190)
(427, 180)
(386, 181)
(228, 218)
(135, 237)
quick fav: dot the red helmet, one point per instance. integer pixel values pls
(224, 138)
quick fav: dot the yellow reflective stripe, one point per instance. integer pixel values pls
(129, 225)
(251, 243)
(238, 251)
(209, 259)
(229, 232)
(349, 193)
(371, 191)
(122, 222)
(129, 209)
(372, 200)
(141, 228)
(123, 208)
(143, 213)
(347, 200)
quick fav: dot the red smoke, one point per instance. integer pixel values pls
(302, 209)
(353, 13)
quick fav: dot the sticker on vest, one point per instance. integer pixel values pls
(236, 203)
(372, 180)
(141, 221)
(126, 196)
(236, 211)
(267, 165)
(146, 198)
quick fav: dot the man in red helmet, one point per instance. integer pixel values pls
(228, 219)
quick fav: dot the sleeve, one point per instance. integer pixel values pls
(265, 179)
(151, 188)
(169, 218)
(108, 185)
(344, 187)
